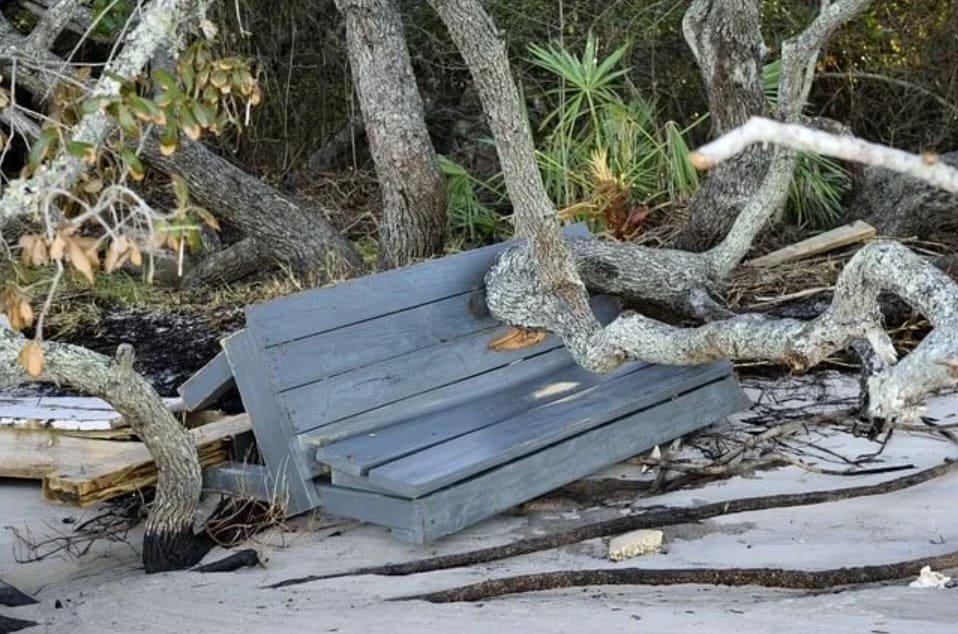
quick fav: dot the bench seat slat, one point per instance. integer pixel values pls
(391, 381)
(358, 454)
(456, 459)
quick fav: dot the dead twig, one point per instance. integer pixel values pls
(651, 519)
(767, 577)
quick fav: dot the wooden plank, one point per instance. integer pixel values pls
(358, 454)
(454, 460)
(244, 480)
(364, 389)
(319, 310)
(369, 507)
(209, 383)
(314, 358)
(88, 471)
(288, 464)
(442, 398)
(451, 509)
(347, 481)
(857, 231)
(74, 413)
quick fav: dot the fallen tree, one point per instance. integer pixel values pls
(543, 285)
(169, 541)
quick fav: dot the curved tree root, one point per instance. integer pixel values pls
(651, 519)
(767, 577)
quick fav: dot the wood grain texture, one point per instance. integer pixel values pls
(459, 458)
(451, 509)
(83, 472)
(857, 231)
(287, 462)
(357, 454)
(316, 311)
(394, 380)
(209, 383)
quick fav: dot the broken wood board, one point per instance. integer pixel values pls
(857, 231)
(81, 471)
(73, 413)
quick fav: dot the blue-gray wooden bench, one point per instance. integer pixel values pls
(380, 399)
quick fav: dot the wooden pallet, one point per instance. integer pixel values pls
(380, 399)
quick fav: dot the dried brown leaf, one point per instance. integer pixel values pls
(31, 358)
(516, 339)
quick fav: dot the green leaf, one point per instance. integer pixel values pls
(181, 192)
(133, 164)
(81, 150)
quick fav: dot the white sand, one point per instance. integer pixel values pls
(105, 591)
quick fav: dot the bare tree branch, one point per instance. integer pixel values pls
(924, 167)
(158, 26)
(54, 20)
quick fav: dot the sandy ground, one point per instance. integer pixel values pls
(105, 591)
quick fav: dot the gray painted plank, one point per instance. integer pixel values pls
(313, 358)
(364, 389)
(310, 312)
(246, 480)
(461, 505)
(369, 507)
(288, 463)
(345, 480)
(358, 454)
(425, 404)
(209, 383)
(454, 460)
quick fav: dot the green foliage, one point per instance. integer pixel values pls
(599, 147)
(110, 15)
(819, 184)
(472, 205)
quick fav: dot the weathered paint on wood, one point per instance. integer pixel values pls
(357, 454)
(205, 387)
(472, 453)
(311, 312)
(286, 461)
(465, 503)
(246, 480)
(366, 388)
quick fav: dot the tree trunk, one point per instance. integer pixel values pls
(169, 543)
(413, 190)
(292, 234)
(899, 205)
(726, 40)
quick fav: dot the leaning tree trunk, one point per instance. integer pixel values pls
(413, 190)
(277, 228)
(169, 542)
(726, 40)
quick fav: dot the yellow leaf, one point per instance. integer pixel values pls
(114, 254)
(38, 253)
(31, 358)
(93, 186)
(516, 339)
(26, 313)
(79, 260)
(167, 148)
(136, 258)
(57, 247)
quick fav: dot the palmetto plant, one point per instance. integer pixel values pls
(601, 153)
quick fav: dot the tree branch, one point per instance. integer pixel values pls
(925, 167)
(158, 26)
(54, 20)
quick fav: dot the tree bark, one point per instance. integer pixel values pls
(169, 542)
(413, 190)
(286, 231)
(726, 40)
(900, 205)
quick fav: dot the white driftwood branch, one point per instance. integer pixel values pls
(52, 23)
(924, 167)
(158, 26)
